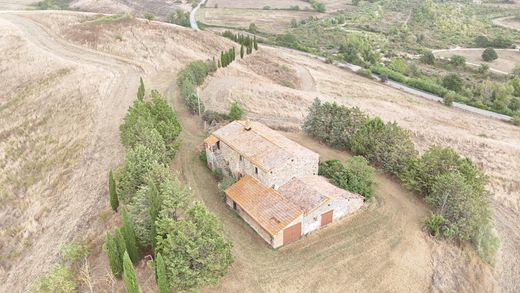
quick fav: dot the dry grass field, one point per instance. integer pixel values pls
(494, 145)
(72, 77)
(506, 62)
(273, 21)
(255, 4)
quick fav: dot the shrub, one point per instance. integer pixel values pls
(176, 240)
(235, 111)
(487, 243)
(365, 73)
(224, 184)
(203, 157)
(483, 68)
(59, 279)
(387, 145)
(355, 176)
(458, 60)
(179, 17)
(72, 252)
(190, 77)
(452, 82)
(489, 54)
(435, 224)
(449, 98)
(212, 116)
(218, 174)
(428, 58)
(516, 120)
(148, 16)
(194, 103)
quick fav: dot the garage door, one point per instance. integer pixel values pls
(326, 218)
(292, 233)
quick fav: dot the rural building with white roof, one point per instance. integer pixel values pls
(278, 192)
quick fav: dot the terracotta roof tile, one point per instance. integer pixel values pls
(261, 145)
(266, 206)
(211, 140)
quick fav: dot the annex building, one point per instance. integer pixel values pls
(278, 192)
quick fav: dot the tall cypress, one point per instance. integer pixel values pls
(114, 256)
(242, 51)
(114, 201)
(255, 43)
(129, 235)
(129, 275)
(223, 61)
(140, 90)
(160, 275)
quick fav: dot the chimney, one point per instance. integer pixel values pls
(247, 125)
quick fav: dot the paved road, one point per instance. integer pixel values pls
(405, 88)
(193, 12)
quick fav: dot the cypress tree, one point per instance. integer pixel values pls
(219, 65)
(140, 90)
(114, 256)
(160, 275)
(223, 61)
(255, 43)
(129, 275)
(114, 202)
(242, 51)
(129, 236)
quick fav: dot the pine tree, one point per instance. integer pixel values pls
(129, 275)
(129, 236)
(160, 275)
(242, 51)
(114, 202)
(114, 256)
(255, 43)
(140, 90)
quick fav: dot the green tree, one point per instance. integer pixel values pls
(114, 257)
(129, 275)
(242, 51)
(114, 202)
(252, 28)
(255, 43)
(489, 54)
(140, 90)
(163, 285)
(149, 16)
(449, 98)
(452, 82)
(482, 41)
(386, 145)
(138, 162)
(483, 68)
(129, 235)
(356, 175)
(235, 111)
(194, 250)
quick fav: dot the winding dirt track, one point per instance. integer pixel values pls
(78, 211)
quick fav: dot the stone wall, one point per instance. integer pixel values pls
(341, 207)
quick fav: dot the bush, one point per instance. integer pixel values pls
(179, 17)
(365, 73)
(190, 77)
(148, 16)
(194, 103)
(489, 54)
(449, 98)
(236, 112)
(428, 58)
(59, 279)
(218, 174)
(212, 116)
(203, 157)
(516, 120)
(452, 82)
(224, 184)
(435, 224)
(72, 252)
(458, 60)
(483, 68)
(387, 145)
(355, 176)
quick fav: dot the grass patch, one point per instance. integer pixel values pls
(104, 19)
(52, 5)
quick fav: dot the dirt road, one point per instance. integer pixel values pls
(75, 208)
(193, 14)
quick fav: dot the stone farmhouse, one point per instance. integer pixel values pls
(278, 192)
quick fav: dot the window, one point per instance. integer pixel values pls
(240, 158)
(256, 170)
(234, 205)
(218, 145)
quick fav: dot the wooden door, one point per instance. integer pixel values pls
(292, 233)
(326, 218)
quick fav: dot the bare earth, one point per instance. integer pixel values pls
(494, 145)
(72, 81)
(506, 62)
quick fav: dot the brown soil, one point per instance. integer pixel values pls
(506, 62)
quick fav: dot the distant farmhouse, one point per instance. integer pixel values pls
(278, 192)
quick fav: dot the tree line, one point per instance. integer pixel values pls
(158, 213)
(452, 185)
(247, 44)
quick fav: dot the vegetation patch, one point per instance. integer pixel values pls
(52, 4)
